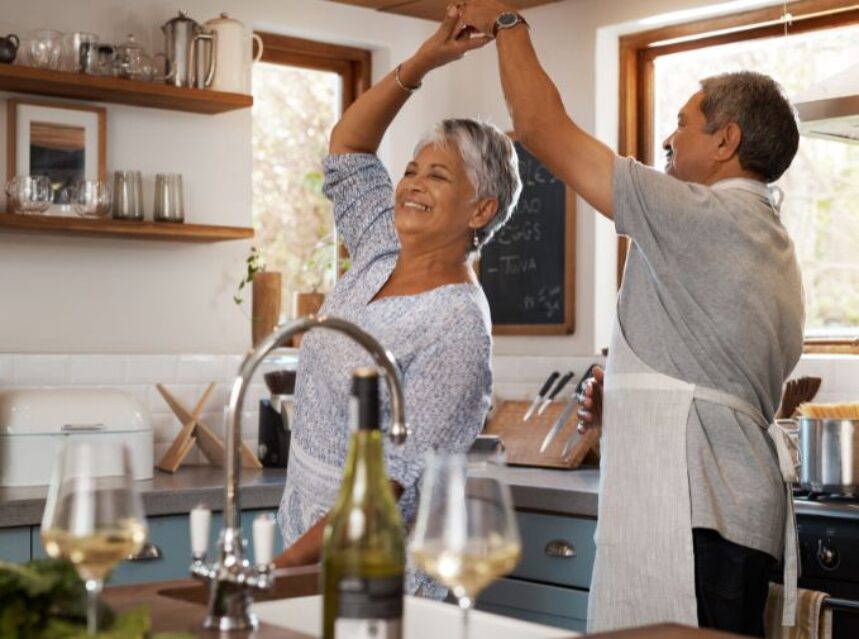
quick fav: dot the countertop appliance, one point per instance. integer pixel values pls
(34, 423)
(828, 528)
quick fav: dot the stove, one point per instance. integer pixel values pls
(828, 528)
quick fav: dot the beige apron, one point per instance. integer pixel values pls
(644, 570)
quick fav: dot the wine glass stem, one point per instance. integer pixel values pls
(93, 590)
(465, 604)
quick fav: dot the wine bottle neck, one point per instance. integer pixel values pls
(365, 459)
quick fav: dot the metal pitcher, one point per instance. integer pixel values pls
(180, 37)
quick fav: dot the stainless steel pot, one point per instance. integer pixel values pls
(830, 455)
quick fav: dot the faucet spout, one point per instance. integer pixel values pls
(232, 577)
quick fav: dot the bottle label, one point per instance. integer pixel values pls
(369, 608)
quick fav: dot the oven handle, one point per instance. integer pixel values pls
(846, 605)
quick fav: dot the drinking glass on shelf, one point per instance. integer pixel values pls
(466, 533)
(30, 194)
(93, 515)
(44, 47)
(169, 198)
(89, 198)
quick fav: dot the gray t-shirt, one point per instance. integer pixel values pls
(712, 295)
(440, 338)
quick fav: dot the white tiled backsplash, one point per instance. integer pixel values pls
(186, 377)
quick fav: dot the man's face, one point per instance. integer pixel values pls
(690, 150)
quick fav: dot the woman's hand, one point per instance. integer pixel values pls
(481, 14)
(590, 412)
(450, 42)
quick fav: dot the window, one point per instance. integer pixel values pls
(821, 208)
(300, 89)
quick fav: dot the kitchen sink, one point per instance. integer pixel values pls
(424, 619)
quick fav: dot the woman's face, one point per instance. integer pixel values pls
(435, 200)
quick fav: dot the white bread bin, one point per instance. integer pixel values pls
(35, 422)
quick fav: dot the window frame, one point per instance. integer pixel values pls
(638, 51)
(352, 64)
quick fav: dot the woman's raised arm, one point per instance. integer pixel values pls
(361, 128)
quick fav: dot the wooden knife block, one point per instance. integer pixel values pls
(523, 439)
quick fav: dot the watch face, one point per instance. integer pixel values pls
(507, 19)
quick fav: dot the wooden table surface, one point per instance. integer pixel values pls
(180, 606)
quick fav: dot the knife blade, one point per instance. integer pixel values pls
(539, 397)
(558, 388)
(571, 442)
(559, 423)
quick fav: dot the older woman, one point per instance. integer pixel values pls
(410, 285)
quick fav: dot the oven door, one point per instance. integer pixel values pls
(844, 603)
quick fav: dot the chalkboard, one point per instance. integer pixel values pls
(527, 270)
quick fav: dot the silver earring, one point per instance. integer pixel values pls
(475, 240)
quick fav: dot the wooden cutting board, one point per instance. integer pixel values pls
(523, 439)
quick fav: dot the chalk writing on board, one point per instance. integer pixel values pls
(522, 269)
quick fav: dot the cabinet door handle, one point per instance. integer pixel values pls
(560, 548)
(149, 552)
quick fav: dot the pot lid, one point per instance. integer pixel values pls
(223, 19)
(180, 19)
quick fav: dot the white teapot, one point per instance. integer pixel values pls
(232, 52)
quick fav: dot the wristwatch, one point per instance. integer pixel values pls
(505, 21)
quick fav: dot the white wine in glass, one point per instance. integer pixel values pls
(93, 516)
(466, 533)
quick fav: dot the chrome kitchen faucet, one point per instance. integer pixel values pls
(232, 577)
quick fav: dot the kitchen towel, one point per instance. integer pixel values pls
(813, 620)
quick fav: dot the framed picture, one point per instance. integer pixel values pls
(66, 142)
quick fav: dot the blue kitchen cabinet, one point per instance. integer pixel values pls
(170, 536)
(15, 544)
(550, 584)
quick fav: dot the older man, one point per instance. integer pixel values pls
(693, 507)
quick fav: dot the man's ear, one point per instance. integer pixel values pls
(483, 214)
(730, 137)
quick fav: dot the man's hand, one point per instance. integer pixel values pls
(450, 42)
(590, 412)
(480, 15)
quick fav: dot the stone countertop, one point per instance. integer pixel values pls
(164, 494)
(565, 492)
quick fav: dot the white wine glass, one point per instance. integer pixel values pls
(93, 515)
(466, 533)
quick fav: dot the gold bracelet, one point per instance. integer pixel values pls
(403, 86)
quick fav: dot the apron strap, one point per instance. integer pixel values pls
(787, 454)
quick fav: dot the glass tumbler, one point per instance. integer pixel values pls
(90, 198)
(169, 199)
(44, 47)
(30, 194)
(127, 195)
(74, 47)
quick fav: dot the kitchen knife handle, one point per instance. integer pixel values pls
(560, 385)
(548, 384)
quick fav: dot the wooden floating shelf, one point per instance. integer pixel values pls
(81, 86)
(106, 227)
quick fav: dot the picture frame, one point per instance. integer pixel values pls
(65, 141)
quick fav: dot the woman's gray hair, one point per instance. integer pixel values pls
(491, 164)
(757, 103)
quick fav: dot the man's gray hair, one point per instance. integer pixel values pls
(491, 164)
(757, 103)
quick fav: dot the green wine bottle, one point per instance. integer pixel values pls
(363, 551)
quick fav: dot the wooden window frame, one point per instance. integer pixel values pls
(352, 64)
(636, 90)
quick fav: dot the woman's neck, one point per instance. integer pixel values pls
(419, 271)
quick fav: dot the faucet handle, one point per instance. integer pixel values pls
(263, 532)
(201, 519)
